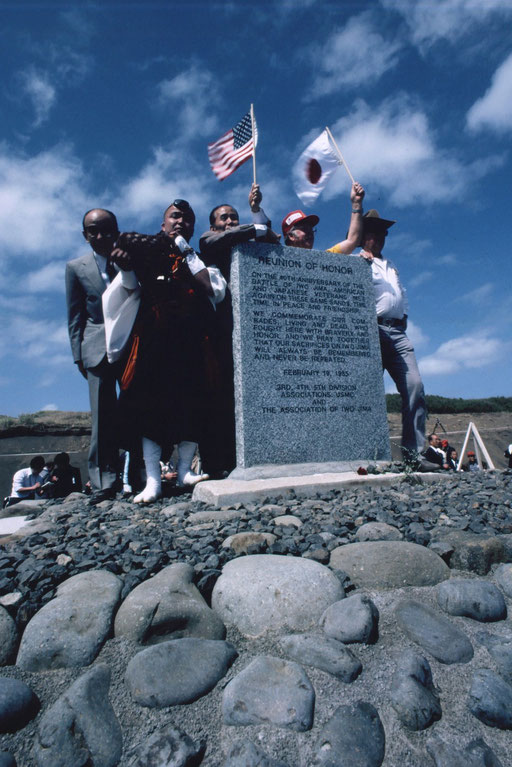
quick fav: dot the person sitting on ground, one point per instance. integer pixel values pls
(65, 478)
(472, 464)
(26, 483)
(434, 452)
(452, 459)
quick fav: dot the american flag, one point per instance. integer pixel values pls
(233, 148)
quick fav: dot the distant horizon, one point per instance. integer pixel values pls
(86, 412)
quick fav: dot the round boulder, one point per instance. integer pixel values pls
(389, 564)
(268, 592)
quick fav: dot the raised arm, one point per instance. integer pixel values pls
(355, 229)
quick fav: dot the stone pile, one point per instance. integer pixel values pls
(346, 629)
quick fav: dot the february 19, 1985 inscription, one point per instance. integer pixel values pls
(308, 376)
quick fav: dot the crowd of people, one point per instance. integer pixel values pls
(45, 479)
(174, 372)
(440, 453)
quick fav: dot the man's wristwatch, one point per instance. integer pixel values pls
(357, 210)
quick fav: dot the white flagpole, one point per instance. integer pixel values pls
(253, 145)
(339, 154)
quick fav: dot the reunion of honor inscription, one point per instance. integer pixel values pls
(308, 373)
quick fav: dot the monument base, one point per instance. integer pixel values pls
(226, 492)
(271, 471)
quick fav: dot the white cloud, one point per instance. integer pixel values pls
(392, 148)
(420, 279)
(416, 335)
(42, 201)
(352, 56)
(449, 259)
(464, 353)
(168, 175)
(192, 97)
(479, 295)
(49, 408)
(494, 110)
(41, 92)
(432, 20)
(49, 279)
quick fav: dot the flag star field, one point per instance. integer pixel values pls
(116, 104)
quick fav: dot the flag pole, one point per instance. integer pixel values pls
(253, 145)
(339, 154)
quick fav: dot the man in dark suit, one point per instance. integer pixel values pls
(87, 278)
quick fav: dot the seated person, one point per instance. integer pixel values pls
(65, 479)
(434, 453)
(26, 483)
(472, 464)
(452, 459)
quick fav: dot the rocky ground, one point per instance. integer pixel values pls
(346, 629)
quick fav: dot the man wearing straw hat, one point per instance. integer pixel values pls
(397, 352)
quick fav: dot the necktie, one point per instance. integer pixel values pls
(111, 270)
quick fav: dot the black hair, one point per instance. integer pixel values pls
(214, 211)
(37, 461)
(182, 205)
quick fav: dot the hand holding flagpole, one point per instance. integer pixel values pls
(254, 145)
(339, 154)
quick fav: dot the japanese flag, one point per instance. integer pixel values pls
(314, 168)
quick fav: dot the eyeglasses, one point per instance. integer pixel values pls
(93, 230)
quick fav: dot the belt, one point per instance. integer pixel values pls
(391, 322)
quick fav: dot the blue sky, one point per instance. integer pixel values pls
(112, 105)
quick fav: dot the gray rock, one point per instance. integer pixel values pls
(355, 619)
(7, 759)
(321, 652)
(8, 637)
(490, 699)
(475, 754)
(413, 695)
(246, 754)
(389, 564)
(240, 542)
(268, 592)
(212, 516)
(475, 553)
(270, 690)
(500, 649)
(167, 606)
(503, 576)
(378, 531)
(287, 520)
(353, 736)
(168, 747)
(22, 508)
(472, 598)
(81, 727)
(18, 704)
(435, 633)
(178, 671)
(70, 630)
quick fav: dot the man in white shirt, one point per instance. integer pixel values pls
(26, 482)
(397, 352)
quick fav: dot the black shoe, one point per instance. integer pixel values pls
(108, 494)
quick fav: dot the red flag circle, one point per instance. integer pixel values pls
(313, 171)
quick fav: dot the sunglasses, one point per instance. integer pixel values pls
(93, 230)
